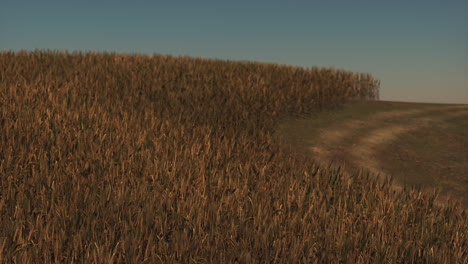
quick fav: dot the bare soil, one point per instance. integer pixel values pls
(419, 145)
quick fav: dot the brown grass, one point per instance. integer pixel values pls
(114, 158)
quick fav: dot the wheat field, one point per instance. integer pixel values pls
(129, 158)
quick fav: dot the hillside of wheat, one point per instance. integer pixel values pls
(119, 158)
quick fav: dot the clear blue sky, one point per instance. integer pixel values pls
(418, 49)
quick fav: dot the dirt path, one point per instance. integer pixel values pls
(376, 140)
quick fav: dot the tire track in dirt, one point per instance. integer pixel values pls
(334, 137)
(368, 145)
(360, 150)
